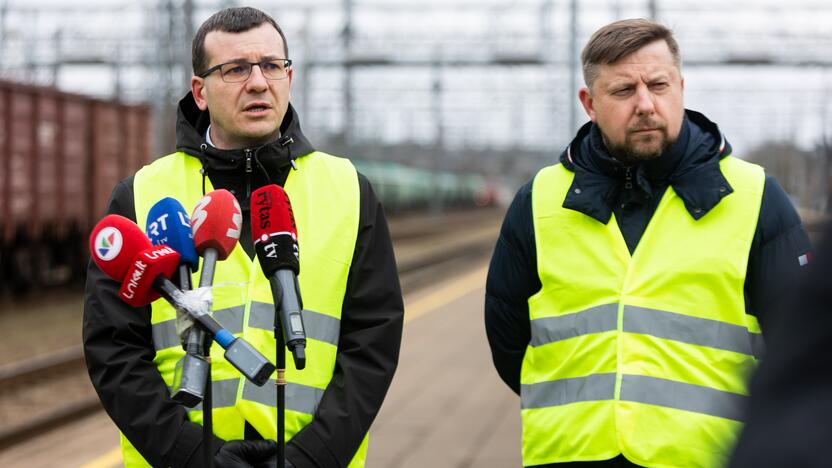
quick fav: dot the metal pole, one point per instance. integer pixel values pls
(155, 70)
(56, 46)
(280, 358)
(188, 20)
(304, 68)
(206, 279)
(547, 54)
(167, 122)
(825, 146)
(118, 88)
(347, 65)
(4, 7)
(28, 64)
(280, 368)
(436, 95)
(572, 68)
(207, 413)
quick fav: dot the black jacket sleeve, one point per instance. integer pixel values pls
(779, 252)
(512, 279)
(368, 347)
(119, 353)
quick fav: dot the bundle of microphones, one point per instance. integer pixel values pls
(145, 265)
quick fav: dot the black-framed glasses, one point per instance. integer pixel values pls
(240, 70)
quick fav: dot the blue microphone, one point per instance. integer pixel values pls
(168, 224)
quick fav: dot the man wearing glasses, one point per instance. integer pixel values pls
(237, 130)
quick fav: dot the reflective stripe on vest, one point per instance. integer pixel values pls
(658, 323)
(299, 398)
(318, 326)
(645, 355)
(325, 202)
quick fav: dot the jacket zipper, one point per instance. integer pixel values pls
(248, 173)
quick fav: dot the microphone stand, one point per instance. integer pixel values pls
(280, 357)
(280, 363)
(209, 263)
(207, 409)
(199, 342)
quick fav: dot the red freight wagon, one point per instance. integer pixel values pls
(60, 156)
(109, 160)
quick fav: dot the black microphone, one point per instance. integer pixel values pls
(275, 236)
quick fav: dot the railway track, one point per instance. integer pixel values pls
(40, 394)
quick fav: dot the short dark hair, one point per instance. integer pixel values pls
(620, 39)
(233, 20)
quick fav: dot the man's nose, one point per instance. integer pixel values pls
(256, 80)
(645, 103)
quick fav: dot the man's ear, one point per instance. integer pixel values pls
(198, 90)
(585, 96)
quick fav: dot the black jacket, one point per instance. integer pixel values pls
(117, 338)
(691, 166)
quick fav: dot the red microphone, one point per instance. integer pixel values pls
(114, 243)
(274, 233)
(216, 222)
(124, 253)
(273, 230)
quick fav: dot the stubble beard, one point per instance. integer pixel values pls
(647, 147)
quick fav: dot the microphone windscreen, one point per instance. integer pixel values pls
(273, 230)
(216, 222)
(137, 287)
(114, 243)
(271, 211)
(168, 224)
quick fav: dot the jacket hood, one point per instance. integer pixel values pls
(690, 166)
(271, 158)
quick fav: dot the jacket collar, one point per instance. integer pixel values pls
(690, 166)
(272, 158)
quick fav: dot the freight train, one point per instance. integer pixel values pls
(61, 154)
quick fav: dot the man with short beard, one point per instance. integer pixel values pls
(631, 282)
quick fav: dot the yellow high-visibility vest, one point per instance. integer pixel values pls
(325, 200)
(645, 355)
